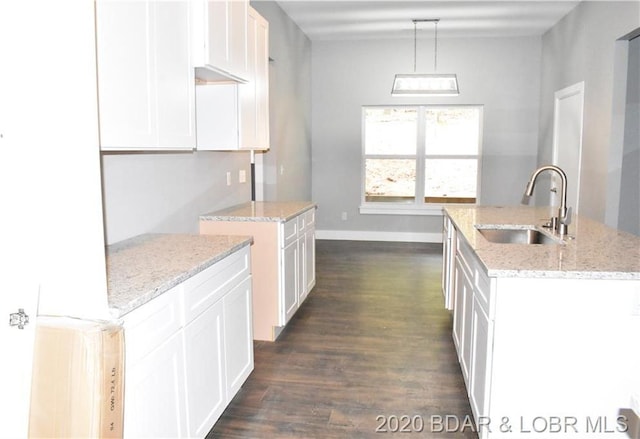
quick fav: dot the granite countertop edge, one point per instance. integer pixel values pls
(280, 212)
(592, 255)
(124, 297)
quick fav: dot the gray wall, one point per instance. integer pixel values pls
(501, 74)
(581, 47)
(157, 192)
(166, 192)
(287, 165)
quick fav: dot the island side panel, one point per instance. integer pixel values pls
(567, 349)
(264, 269)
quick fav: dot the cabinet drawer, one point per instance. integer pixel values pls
(290, 231)
(482, 287)
(310, 217)
(150, 325)
(207, 287)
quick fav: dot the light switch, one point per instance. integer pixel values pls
(228, 178)
(242, 176)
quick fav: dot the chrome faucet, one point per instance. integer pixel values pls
(560, 224)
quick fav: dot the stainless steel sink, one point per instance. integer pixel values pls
(516, 236)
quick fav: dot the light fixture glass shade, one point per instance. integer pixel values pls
(423, 84)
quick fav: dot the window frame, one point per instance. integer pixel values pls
(418, 206)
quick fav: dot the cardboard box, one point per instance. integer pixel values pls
(78, 383)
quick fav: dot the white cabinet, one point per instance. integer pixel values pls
(283, 260)
(254, 95)
(298, 263)
(145, 75)
(308, 253)
(290, 282)
(154, 393)
(189, 351)
(238, 337)
(155, 386)
(472, 327)
(220, 39)
(448, 261)
(232, 116)
(205, 359)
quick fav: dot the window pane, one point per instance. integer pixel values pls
(390, 131)
(452, 131)
(390, 180)
(451, 180)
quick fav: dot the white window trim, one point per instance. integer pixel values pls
(418, 207)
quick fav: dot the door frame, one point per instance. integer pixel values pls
(568, 92)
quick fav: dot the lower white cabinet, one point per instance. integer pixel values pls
(544, 357)
(154, 393)
(297, 263)
(188, 352)
(204, 342)
(283, 255)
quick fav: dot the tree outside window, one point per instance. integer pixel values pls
(421, 155)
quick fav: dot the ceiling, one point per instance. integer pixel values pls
(384, 19)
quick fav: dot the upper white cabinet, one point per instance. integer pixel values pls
(145, 75)
(233, 116)
(220, 39)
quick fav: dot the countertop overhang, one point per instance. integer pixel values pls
(141, 268)
(592, 250)
(267, 211)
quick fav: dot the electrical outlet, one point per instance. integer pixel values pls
(228, 178)
(343, 216)
(242, 176)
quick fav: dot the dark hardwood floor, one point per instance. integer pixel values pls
(371, 342)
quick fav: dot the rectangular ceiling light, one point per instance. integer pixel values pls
(423, 84)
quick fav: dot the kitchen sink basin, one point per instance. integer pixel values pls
(516, 236)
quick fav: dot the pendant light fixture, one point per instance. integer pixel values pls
(425, 84)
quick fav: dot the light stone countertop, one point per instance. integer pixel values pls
(273, 211)
(593, 250)
(143, 267)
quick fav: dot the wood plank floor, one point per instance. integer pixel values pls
(372, 340)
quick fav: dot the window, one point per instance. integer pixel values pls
(416, 157)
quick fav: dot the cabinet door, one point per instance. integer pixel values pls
(310, 258)
(302, 267)
(154, 393)
(289, 281)
(254, 95)
(126, 88)
(480, 361)
(448, 262)
(462, 316)
(226, 37)
(238, 336)
(205, 365)
(174, 75)
(145, 77)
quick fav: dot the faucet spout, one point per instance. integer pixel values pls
(559, 223)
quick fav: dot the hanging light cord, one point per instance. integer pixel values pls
(415, 43)
(435, 48)
(415, 46)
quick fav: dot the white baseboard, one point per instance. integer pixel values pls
(366, 235)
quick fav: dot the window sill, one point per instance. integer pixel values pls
(399, 209)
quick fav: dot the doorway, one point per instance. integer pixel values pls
(567, 142)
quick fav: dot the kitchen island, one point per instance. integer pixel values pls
(282, 256)
(546, 334)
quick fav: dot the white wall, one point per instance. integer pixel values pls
(287, 164)
(581, 47)
(501, 74)
(159, 192)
